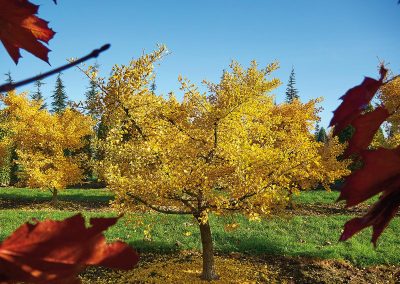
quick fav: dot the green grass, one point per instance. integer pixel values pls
(316, 196)
(102, 195)
(321, 197)
(310, 236)
(40, 195)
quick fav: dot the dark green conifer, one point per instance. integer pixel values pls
(91, 94)
(291, 92)
(59, 96)
(322, 137)
(37, 95)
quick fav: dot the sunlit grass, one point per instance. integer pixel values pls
(309, 236)
(321, 197)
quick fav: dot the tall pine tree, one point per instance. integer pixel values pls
(291, 91)
(91, 94)
(59, 96)
(153, 87)
(316, 132)
(37, 95)
(322, 137)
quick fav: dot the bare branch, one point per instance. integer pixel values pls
(100, 86)
(391, 80)
(95, 53)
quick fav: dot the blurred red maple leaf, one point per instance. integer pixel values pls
(20, 28)
(380, 172)
(56, 251)
(355, 101)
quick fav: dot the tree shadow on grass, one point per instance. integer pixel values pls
(263, 246)
(66, 201)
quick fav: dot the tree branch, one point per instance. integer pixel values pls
(100, 86)
(95, 53)
(160, 209)
(250, 194)
(173, 122)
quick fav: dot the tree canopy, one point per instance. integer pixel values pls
(231, 149)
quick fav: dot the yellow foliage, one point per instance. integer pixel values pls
(390, 96)
(231, 149)
(47, 144)
(5, 145)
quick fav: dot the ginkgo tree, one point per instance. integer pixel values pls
(229, 150)
(47, 145)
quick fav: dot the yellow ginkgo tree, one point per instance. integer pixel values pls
(228, 150)
(389, 96)
(47, 145)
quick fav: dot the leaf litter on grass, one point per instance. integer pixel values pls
(185, 267)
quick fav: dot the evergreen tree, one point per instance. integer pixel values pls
(291, 91)
(153, 87)
(37, 94)
(90, 102)
(316, 132)
(322, 137)
(59, 96)
(91, 93)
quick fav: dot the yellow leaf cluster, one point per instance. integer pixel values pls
(390, 96)
(47, 145)
(228, 149)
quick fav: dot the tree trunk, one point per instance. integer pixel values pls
(208, 253)
(54, 198)
(290, 205)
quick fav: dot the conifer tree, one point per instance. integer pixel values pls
(153, 87)
(316, 132)
(322, 137)
(37, 95)
(90, 106)
(91, 93)
(59, 96)
(291, 91)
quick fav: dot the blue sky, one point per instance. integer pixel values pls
(331, 44)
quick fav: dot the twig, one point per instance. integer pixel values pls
(8, 87)
(391, 80)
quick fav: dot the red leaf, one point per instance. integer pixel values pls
(378, 217)
(365, 126)
(20, 28)
(55, 251)
(380, 171)
(355, 101)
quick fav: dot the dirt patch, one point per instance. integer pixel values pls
(185, 267)
(318, 209)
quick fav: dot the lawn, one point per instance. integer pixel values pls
(310, 235)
